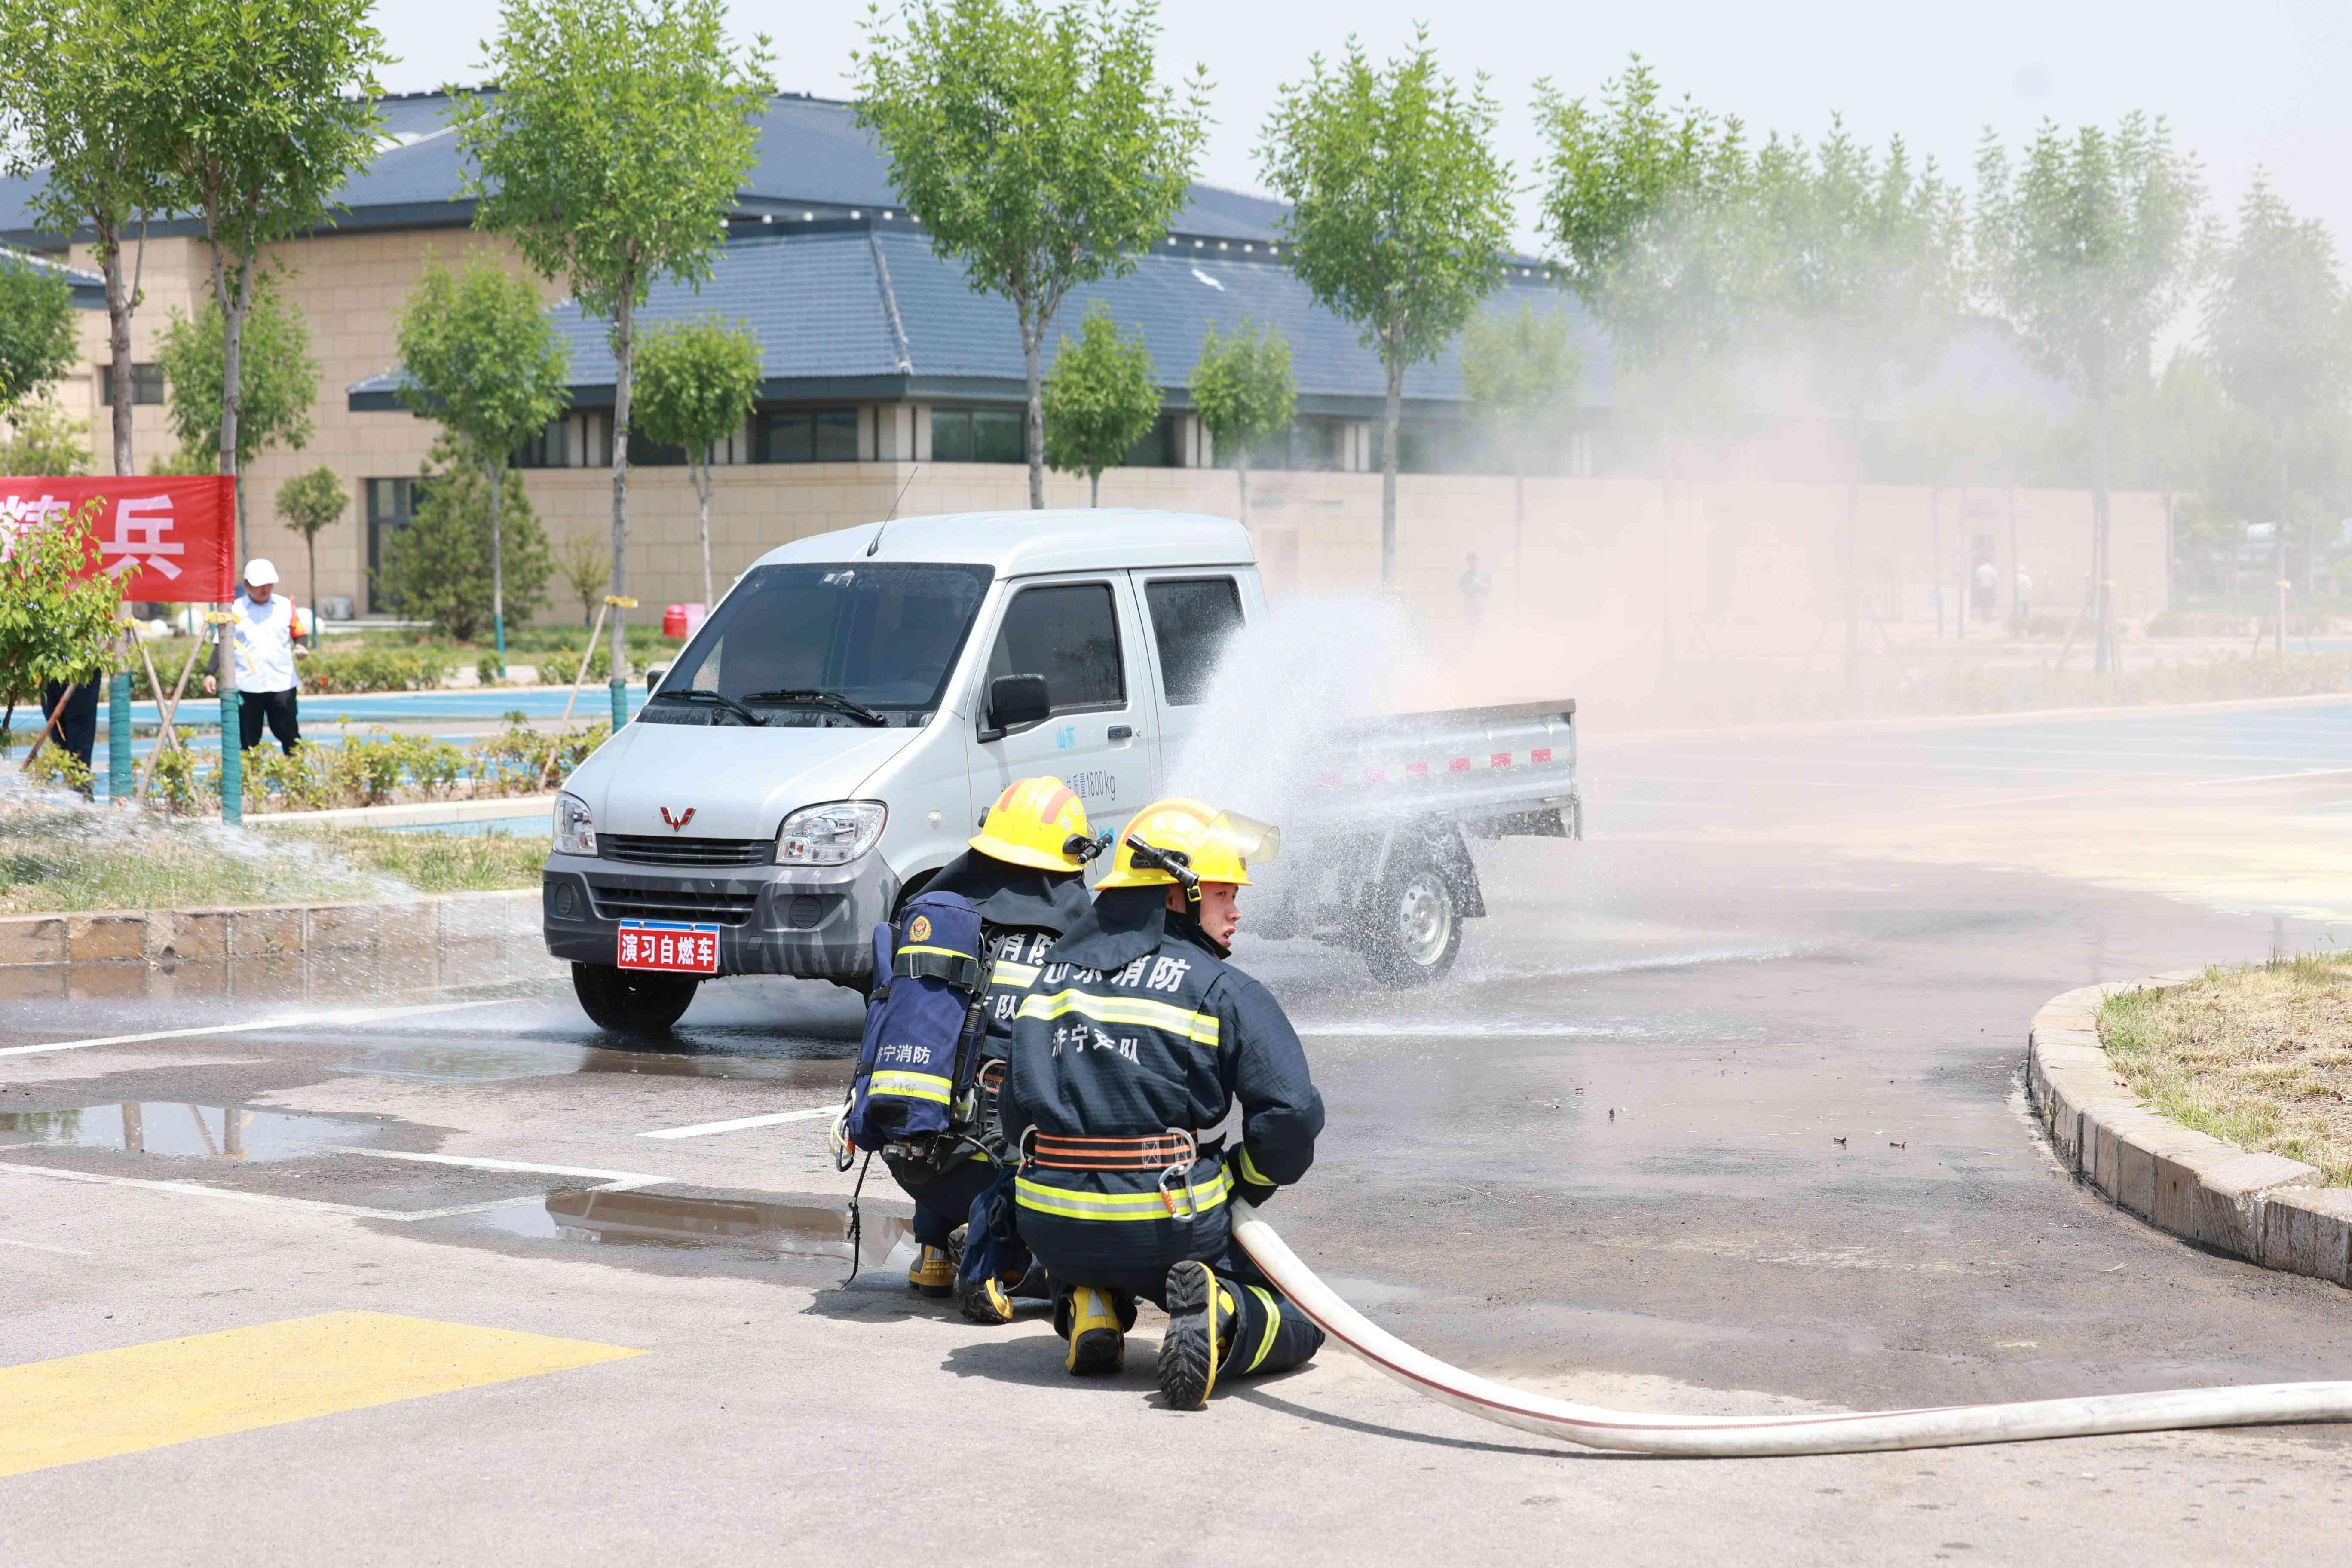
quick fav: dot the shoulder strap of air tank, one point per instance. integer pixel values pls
(916, 962)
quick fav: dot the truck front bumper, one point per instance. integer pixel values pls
(813, 922)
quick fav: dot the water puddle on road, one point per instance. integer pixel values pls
(648, 1219)
(188, 1132)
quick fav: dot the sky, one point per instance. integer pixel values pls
(2258, 84)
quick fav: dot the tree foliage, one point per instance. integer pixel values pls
(1521, 371)
(586, 569)
(278, 380)
(1035, 146)
(308, 503)
(1244, 388)
(439, 568)
(695, 383)
(39, 342)
(610, 153)
(42, 438)
(56, 611)
(1400, 211)
(2277, 331)
(483, 360)
(1101, 399)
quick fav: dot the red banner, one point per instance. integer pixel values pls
(172, 540)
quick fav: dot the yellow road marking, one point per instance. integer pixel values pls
(90, 1407)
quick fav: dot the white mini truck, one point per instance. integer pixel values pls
(831, 736)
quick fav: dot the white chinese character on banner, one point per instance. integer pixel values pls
(137, 534)
(20, 514)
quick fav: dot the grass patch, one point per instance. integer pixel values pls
(75, 858)
(2260, 1056)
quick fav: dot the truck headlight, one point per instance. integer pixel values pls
(832, 835)
(575, 830)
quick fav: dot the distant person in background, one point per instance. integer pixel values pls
(1476, 585)
(77, 724)
(2022, 596)
(1988, 587)
(266, 638)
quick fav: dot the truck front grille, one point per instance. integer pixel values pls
(722, 906)
(655, 851)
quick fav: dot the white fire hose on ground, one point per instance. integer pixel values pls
(1736, 1436)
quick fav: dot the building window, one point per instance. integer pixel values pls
(1423, 447)
(1156, 449)
(391, 506)
(146, 385)
(976, 435)
(808, 436)
(577, 440)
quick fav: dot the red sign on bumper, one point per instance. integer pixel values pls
(669, 945)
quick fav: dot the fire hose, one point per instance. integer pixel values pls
(1737, 1437)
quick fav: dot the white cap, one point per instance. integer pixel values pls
(258, 571)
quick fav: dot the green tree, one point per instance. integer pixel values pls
(483, 362)
(2277, 332)
(2087, 248)
(307, 503)
(1035, 146)
(37, 340)
(695, 383)
(1244, 393)
(1873, 284)
(586, 569)
(43, 439)
(277, 381)
(57, 612)
(1521, 372)
(438, 567)
(1400, 212)
(71, 91)
(1101, 398)
(610, 153)
(1651, 212)
(259, 111)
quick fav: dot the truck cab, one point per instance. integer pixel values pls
(830, 737)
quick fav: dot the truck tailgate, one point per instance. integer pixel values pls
(1463, 762)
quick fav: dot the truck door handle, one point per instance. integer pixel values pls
(1122, 732)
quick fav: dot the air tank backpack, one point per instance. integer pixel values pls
(913, 1096)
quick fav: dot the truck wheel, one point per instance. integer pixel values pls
(629, 1002)
(1413, 928)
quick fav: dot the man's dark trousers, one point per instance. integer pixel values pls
(278, 707)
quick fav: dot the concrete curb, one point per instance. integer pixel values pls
(488, 808)
(2261, 1207)
(429, 939)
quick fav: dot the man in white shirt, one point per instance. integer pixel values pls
(268, 635)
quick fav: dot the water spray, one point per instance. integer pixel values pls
(1746, 1436)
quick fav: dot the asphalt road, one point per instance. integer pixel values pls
(1604, 1162)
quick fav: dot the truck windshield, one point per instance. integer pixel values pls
(813, 644)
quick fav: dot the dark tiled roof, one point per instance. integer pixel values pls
(821, 306)
(89, 288)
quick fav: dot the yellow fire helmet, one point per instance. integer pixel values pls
(1215, 846)
(1037, 822)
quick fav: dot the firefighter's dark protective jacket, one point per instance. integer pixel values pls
(1137, 1026)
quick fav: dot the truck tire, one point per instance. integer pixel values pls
(1411, 928)
(628, 1002)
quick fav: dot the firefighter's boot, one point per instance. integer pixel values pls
(934, 1273)
(1201, 1317)
(1090, 1319)
(984, 1302)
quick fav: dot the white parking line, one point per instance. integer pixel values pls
(39, 1247)
(475, 1164)
(293, 1021)
(699, 1128)
(318, 1206)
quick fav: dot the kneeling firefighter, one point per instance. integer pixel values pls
(1017, 888)
(1137, 1035)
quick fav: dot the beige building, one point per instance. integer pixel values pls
(891, 384)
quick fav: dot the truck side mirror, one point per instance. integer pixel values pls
(654, 677)
(1017, 701)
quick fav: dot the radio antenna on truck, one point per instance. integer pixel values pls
(877, 542)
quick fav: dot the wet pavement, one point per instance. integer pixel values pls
(1719, 1113)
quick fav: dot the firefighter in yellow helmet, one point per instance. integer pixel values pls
(1138, 1037)
(1025, 873)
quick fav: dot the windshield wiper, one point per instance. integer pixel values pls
(696, 694)
(808, 697)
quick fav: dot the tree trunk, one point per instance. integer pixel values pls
(623, 319)
(310, 552)
(497, 573)
(1392, 419)
(1241, 477)
(1519, 524)
(1936, 559)
(2278, 530)
(118, 304)
(703, 482)
(232, 305)
(2104, 653)
(2017, 608)
(1094, 489)
(1033, 429)
(1853, 569)
(1665, 543)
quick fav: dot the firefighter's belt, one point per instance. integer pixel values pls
(1157, 1152)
